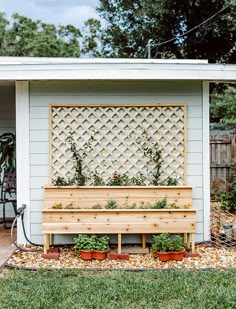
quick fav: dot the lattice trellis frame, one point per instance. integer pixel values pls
(118, 136)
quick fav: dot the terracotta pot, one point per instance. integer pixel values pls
(98, 255)
(86, 255)
(177, 256)
(163, 256)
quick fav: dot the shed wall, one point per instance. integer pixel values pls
(103, 92)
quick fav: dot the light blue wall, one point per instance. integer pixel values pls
(113, 92)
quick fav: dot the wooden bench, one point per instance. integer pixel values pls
(121, 220)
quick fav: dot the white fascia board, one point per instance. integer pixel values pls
(118, 71)
(54, 60)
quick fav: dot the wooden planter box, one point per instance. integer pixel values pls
(117, 221)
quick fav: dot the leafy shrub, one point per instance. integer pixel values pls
(111, 204)
(177, 244)
(227, 197)
(162, 242)
(102, 243)
(85, 242)
(159, 204)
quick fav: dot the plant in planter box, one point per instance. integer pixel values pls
(86, 245)
(101, 247)
(161, 246)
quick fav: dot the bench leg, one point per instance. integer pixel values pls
(46, 243)
(193, 242)
(188, 239)
(50, 239)
(119, 243)
(185, 237)
(144, 241)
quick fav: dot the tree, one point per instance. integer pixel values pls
(91, 38)
(130, 24)
(25, 37)
(223, 108)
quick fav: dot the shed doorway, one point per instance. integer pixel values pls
(7, 161)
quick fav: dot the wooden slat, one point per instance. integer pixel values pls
(86, 197)
(116, 216)
(123, 228)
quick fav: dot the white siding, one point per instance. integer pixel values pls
(103, 92)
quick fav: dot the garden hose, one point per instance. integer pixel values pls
(20, 213)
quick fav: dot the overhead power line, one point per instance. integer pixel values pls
(192, 29)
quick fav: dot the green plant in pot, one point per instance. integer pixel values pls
(167, 248)
(101, 247)
(86, 244)
(161, 246)
(177, 248)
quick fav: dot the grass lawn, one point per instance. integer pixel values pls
(133, 290)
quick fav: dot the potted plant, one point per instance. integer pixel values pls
(86, 245)
(177, 249)
(161, 246)
(101, 248)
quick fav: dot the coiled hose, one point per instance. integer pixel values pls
(20, 213)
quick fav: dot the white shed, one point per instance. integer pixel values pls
(29, 86)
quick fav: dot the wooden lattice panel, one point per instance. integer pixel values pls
(118, 133)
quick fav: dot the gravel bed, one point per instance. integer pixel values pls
(210, 257)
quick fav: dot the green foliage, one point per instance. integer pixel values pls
(118, 180)
(61, 181)
(102, 243)
(57, 206)
(97, 206)
(85, 242)
(130, 24)
(91, 242)
(159, 204)
(91, 38)
(152, 151)
(111, 204)
(97, 179)
(223, 108)
(7, 152)
(139, 180)
(162, 242)
(227, 198)
(78, 156)
(177, 244)
(26, 37)
(169, 181)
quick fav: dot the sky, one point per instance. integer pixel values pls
(56, 12)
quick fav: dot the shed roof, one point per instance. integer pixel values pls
(30, 68)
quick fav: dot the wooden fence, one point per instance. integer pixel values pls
(222, 151)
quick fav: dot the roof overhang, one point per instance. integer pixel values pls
(26, 68)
